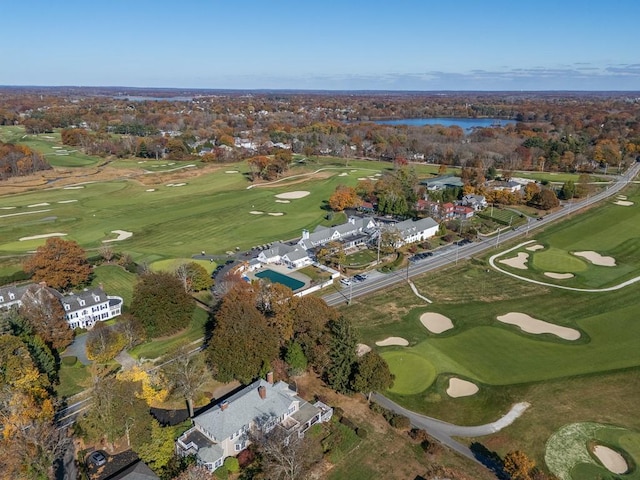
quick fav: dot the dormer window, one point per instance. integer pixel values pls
(1, 298)
(67, 307)
(96, 298)
(11, 296)
(81, 303)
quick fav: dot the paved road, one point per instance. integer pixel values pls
(443, 431)
(452, 254)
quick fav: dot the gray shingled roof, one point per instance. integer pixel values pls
(246, 407)
(89, 297)
(11, 294)
(409, 227)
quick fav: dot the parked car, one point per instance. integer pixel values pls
(97, 459)
(361, 277)
(345, 281)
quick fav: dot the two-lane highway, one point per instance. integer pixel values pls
(454, 253)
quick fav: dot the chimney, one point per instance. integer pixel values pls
(262, 391)
(270, 377)
(224, 405)
(305, 234)
(43, 284)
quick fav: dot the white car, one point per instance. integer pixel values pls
(345, 281)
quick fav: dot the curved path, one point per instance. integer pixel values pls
(444, 431)
(537, 282)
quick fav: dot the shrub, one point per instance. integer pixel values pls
(338, 413)
(400, 422)
(232, 465)
(418, 434)
(69, 361)
(361, 432)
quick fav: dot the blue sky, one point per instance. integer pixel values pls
(306, 44)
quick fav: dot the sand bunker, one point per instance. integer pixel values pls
(519, 262)
(534, 248)
(597, 259)
(621, 197)
(361, 349)
(231, 171)
(558, 276)
(436, 323)
(7, 208)
(150, 190)
(276, 214)
(293, 195)
(610, 459)
(255, 212)
(624, 203)
(38, 205)
(389, 341)
(74, 188)
(283, 201)
(362, 178)
(176, 184)
(461, 388)
(122, 235)
(45, 235)
(343, 174)
(532, 325)
(67, 201)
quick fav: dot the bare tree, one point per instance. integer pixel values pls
(186, 372)
(285, 455)
(106, 252)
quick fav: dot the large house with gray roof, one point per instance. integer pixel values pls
(223, 430)
(291, 255)
(412, 231)
(352, 233)
(82, 309)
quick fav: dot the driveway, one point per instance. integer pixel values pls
(78, 349)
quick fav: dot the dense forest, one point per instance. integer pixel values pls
(19, 160)
(559, 131)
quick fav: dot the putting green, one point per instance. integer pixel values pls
(414, 373)
(557, 260)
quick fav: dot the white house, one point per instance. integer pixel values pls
(354, 232)
(411, 231)
(82, 310)
(291, 255)
(223, 431)
(477, 202)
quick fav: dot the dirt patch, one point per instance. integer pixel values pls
(519, 261)
(610, 459)
(435, 322)
(558, 276)
(461, 388)
(389, 341)
(597, 259)
(532, 325)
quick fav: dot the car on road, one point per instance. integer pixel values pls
(97, 458)
(345, 281)
(361, 277)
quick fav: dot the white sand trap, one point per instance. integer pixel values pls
(558, 276)
(283, 201)
(74, 188)
(378, 174)
(122, 235)
(255, 212)
(532, 325)
(621, 197)
(45, 204)
(179, 184)
(389, 341)
(624, 203)
(56, 148)
(353, 171)
(611, 460)
(231, 171)
(519, 262)
(597, 259)
(293, 195)
(535, 248)
(436, 323)
(362, 178)
(67, 201)
(461, 388)
(7, 208)
(45, 235)
(150, 190)
(361, 349)
(276, 214)
(343, 174)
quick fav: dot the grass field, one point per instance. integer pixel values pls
(115, 280)
(557, 260)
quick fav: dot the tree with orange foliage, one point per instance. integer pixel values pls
(60, 263)
(44, 313)
(343, 197)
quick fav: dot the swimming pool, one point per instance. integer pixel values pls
(285, 280)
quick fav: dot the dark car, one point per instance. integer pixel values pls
(97, 458)
(361, 277)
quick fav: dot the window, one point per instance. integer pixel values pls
(218, 463)
(11, 296)
(1, 298)
(237, 447)
(81, 303)
(67, 307)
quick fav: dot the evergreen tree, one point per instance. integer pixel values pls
(342, 354)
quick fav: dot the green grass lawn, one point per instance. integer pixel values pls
(414, 373)
(556, 260)
(73, 379)
(170, 264)
(162, 346)
(115, 281)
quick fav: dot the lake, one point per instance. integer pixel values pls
(466, 124)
